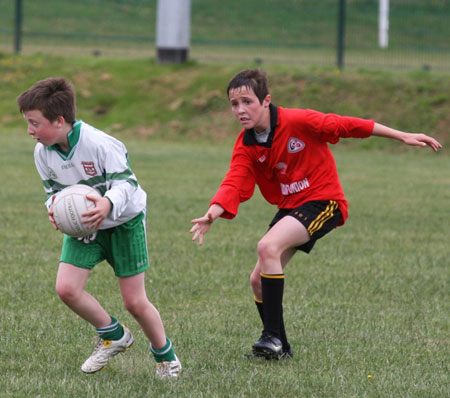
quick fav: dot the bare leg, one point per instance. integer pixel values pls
(136, 302)
(70, 282)
(287, 233)
(275, 250)
(255, 277)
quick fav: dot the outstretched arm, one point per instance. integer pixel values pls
(408, 138)
(202, 224)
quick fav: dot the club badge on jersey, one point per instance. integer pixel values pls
(295, 145)
(89, 168)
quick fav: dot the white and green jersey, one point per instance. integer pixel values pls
(95, 159)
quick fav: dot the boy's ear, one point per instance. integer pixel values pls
(266, 101)
(60, 121)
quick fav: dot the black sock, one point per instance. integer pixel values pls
(272, 292)
(259, 306)
(283, 337)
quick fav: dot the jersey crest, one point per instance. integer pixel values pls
(52, 174)
(89, 168)
(295, 145)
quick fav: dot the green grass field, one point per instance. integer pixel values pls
(367, 312)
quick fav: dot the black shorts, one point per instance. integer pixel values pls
(318, 216)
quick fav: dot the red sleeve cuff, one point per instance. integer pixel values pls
(228, 198)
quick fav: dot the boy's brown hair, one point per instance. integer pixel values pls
(255, 79)
(54, 97)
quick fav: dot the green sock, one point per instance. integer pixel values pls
(114, 331)
(165, 353)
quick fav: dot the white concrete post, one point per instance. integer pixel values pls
(173, 30)
(383, 23)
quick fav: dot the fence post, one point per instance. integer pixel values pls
(173, 30)
(341, 34)
(383, 23)
(18, 27)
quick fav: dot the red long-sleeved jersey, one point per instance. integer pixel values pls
(294, 166)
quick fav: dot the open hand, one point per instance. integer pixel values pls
(201, 226)
(422, 140)
(101, 210)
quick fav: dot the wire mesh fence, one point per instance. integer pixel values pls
(301, 32)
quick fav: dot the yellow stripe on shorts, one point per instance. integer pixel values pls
(323, 217)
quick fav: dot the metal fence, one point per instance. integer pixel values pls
(300, 32)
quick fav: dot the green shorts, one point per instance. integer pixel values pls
(124, 247)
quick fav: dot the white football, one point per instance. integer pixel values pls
(68, 207)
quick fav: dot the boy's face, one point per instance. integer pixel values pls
(247, 109)
(42, 130)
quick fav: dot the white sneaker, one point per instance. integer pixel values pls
(168, 369)
(104, 350)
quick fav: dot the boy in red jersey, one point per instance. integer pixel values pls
(285, 152)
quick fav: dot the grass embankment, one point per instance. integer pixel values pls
(139, 98)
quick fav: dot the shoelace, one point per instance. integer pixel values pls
(98, 346)
(166, 368)
(267, 336)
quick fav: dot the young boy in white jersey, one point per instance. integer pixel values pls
(72, 152)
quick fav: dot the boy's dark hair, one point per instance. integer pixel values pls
(54, 97)
(255, 79)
